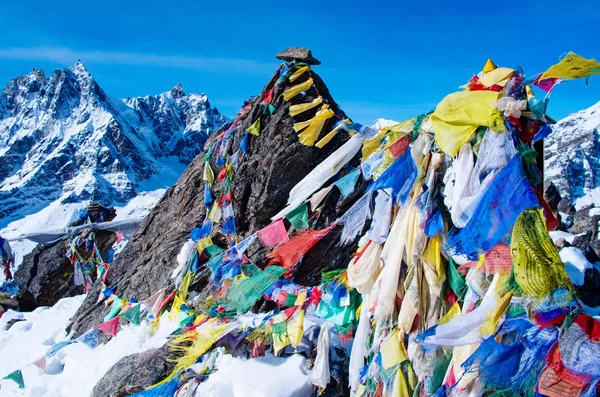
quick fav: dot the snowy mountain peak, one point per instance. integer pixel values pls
(63, 138)
(177, 92)
(572, 153)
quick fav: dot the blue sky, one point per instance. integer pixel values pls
(380, 59)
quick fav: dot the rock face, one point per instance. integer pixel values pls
(46, 274)
(263, 180)
(132, 373)
(571, 153)
(63, 138)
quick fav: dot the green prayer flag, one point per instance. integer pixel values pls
(457, 281)
(133, 314)
(290, 300)
(17, 377)
(298, 217)
(269, 110)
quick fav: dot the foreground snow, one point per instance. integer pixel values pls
(265, 376)
(75, 369)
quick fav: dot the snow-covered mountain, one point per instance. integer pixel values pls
(63, 139)
(572, 153)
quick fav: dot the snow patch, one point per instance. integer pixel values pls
(575, 264)
(258, 377)
(75, 369)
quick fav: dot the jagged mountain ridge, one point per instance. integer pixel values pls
(63, 138)
(572, 153)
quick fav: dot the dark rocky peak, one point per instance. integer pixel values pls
(276, 162)
(177, 92)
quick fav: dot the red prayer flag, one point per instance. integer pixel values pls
(400, 147)
(267, 97)
(289, 253)
(110, 327)
(273, 234)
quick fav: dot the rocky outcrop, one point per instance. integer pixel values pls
(571, 153)
(263, 180)
(132, 373)
(46, 274)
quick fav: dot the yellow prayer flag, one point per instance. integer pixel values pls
(489, 66)
(572, 66)
(433, 256)
(303, 107)
(392, 352)
(299, 72)
(313, 126)
(292, 91)
(454, 311)
(491, 321)
(498, 76)
(254, 129)
(208, 175)
(300, 299)
(296, 328)
(458, 115)
(204, 243)
(537, 266)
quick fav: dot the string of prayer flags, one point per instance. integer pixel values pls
(133, 314)
(298, 217)
(312, 128)
(254, 129)
(273, 234)
(348, 182)
(303, 107)
(17, 377)
(110, 327)
(292, 91)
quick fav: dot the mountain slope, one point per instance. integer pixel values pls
(572, 153)
(63, 138)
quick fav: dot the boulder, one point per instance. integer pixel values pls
(552, 195)
(133, 373)
(298, 54)
(584, 222)
(565, 206)
(46, 274)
